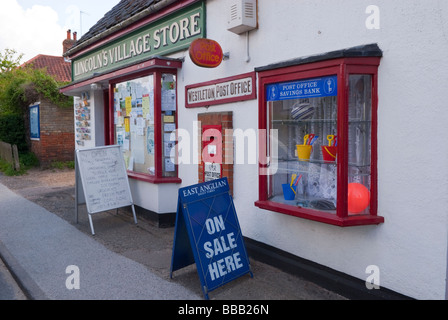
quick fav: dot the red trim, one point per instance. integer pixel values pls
(106, 117)
(133, 27)
(342, 68)
(320, 216)
(127, 72)
(343, 98)
(158, 137)
(110, 113)
(252, 96)
(152, 179)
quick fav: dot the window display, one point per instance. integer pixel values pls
(321, 165)
(304, 113)
(169, 107)
(134, 123)
(145, 116)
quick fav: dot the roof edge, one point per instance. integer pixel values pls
(367, 50)
(151, 9)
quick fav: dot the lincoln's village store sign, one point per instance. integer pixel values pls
(173, 33)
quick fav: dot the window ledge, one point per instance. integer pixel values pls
(153, 179)
(320, 216)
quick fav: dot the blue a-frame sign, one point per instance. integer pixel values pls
(208, 233)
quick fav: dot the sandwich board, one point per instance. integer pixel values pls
(102, 179)
(208, 233)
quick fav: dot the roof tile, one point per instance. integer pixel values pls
(56, 66)
(121, 12)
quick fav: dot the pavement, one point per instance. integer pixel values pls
(54, 258)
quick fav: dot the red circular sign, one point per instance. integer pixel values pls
(206, 53)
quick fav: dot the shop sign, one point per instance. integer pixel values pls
(208, 233)
(174, 33)
(312, 88)
(228, 90)
(206, 53)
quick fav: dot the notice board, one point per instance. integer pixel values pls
(104, 180)
(208, 233)
(35, 122)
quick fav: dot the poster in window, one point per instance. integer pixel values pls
(83, 119)
(150, 140)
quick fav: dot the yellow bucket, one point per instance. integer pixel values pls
(304, 152)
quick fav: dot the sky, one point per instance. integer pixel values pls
(35, 27)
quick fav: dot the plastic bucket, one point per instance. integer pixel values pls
(304, 152)
(329, 153)
(288, 191)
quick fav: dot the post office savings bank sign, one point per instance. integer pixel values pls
(173, 33)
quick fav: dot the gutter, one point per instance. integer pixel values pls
(151, 9)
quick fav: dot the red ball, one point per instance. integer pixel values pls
(358, 198)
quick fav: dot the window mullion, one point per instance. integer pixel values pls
(158, 145)
(342, 201)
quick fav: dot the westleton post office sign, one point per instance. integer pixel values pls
(238, 88)
(174, 33)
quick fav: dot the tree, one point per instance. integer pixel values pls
(9, 60)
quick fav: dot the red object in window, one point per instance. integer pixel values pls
(342, 67)
(358, 198)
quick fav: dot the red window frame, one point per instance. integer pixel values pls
(343, 68)
(158, 178)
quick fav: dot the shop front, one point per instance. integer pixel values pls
(310, 121)
(126, 88)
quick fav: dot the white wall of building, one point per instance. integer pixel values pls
(410, 248)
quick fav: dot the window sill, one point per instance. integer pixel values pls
(153, 179)
(320, 216)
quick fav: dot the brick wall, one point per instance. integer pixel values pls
(57, 141)
(225, 120)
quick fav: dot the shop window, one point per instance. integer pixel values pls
(321, 165)
(145, 116)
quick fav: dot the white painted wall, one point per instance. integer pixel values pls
(410, 248)
(159, 198)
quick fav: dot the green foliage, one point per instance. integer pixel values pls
(13, 131)
(63, 165)
(9, 61)
(27, 161)
(8, 169)
(21, 87)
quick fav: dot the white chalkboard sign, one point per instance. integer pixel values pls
(104, 180)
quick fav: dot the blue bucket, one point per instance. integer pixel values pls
(288, 192)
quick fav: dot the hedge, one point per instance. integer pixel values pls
(12, 131)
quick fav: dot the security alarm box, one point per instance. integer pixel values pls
(242, 16)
